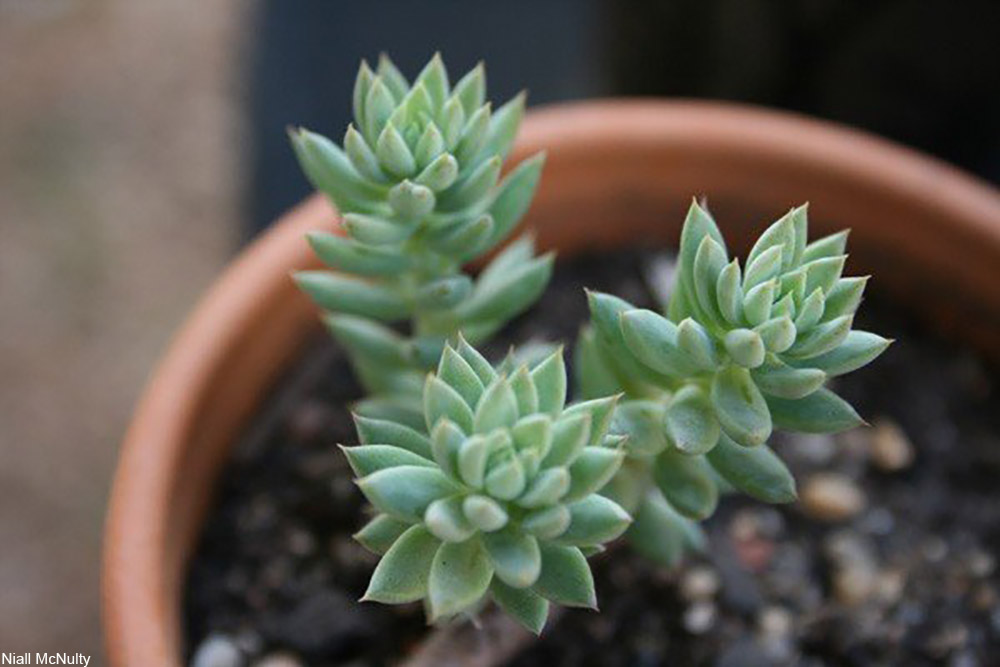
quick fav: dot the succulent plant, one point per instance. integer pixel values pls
(739, 352)
(499, 500)
(485, 484)
(417, 184)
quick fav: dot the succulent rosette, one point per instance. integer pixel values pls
(417, 184)
(740, 351)
(500, 500)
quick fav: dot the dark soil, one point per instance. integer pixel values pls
(908, 578)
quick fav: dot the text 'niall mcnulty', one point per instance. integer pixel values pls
(44, 659)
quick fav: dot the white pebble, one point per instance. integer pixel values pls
(699, 617)
(217, 651)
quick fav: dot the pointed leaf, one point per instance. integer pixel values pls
(379, 534)
(340, 293)
(820, 412)
(652, 338)
(690, 421)
(600, 410)
(740, 407)
(514, 195)
(591, 471)
(393, 154)
(526, 607)
(434, 78)
(778, 333)
(382, 432)
(694, 342)
(515, 557)
(367, 459)
(411, 201)
(828, 246)
(362, 156)
(858, 349)
(471, 89)
(460, 576)
(756, 471)
(404, 492)
(391, 76)
(822, 338)
(446, 520)
(547, 523)
(729, 292)
(503, 127)
(402, 574)
(566, 578)
(686, 481)
(709, 262)
(778, 379)
(570, 434)
(509, 295)
(595, 520)
(745, 347)
(484, 513)
(497, 408)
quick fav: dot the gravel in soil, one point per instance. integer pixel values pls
(889, 558)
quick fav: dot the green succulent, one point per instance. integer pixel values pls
(499, 500)
(738, 353)
(417, 184)
(485, 485)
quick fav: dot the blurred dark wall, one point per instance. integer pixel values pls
(925, 73)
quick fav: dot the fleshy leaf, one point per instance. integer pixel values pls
(368, 459)
(384, 432)
(756, 471)
(516, 557)
(686, 481)
(525, 606)
(690, 421)
(858, 349)
(446, 520)
(497, 407)
(379, 534)
(460, 576)
(405, 492)
(740, 407)
(443, 402)
(820, 412)
(591, 471)
(593, 521)
(402, 574)
(566, 578)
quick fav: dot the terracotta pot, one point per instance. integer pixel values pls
(619, 172)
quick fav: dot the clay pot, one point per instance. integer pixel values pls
(618, 172)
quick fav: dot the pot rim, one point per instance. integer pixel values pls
(179, 436)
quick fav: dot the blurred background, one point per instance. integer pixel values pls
(142, 142)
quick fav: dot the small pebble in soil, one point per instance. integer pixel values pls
(217, 651)
(700, 617)
(699, 583)
(833, 497)
(891, 450)
(774, 622)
